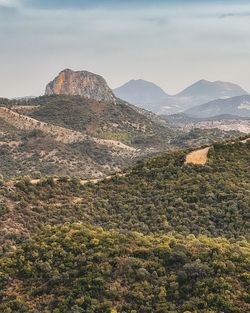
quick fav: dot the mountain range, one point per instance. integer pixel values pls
(151, 97)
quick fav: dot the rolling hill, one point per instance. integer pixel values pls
(106, 120)
(67, 135)
(28, 146)
(156, 196)
(72, 135)
(81, 128)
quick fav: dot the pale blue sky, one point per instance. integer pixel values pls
(172, 43)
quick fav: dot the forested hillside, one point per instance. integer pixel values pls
(156, 196)
(174, 237)
(76, 268)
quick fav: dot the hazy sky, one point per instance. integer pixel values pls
(172, 43)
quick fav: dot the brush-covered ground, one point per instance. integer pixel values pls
(71, 135)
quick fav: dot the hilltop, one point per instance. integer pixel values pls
(141, 93)
(79, 128)
(212, 90)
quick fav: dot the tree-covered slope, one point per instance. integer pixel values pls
(164, 237)
(156, 196)
(75, 268)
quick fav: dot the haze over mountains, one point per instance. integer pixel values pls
(133, 200)
(236, 106)
(141, 92)
(151, 97)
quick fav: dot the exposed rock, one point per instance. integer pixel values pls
(81, 83)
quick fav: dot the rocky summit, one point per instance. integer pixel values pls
(82, 83)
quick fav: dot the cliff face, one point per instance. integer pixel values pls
(80, 83)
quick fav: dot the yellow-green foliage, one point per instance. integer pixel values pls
(86, 269)
(112, 135)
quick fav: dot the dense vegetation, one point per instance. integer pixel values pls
(75, 268)
(157, 196)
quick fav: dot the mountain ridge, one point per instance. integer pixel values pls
(219, 88)
(239, 106)
(198, 93)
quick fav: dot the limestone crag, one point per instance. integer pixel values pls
(81, 83)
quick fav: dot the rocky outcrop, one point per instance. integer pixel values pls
(80, 83)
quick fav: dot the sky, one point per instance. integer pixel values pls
(172, 43)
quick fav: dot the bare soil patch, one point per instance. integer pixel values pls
(198, 157)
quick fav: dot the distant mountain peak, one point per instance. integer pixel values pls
(139, 91)
(212, 90)
(82, 83)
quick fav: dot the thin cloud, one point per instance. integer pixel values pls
(161, 21)
(10, 3)
(168, 44)
(240, 14)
